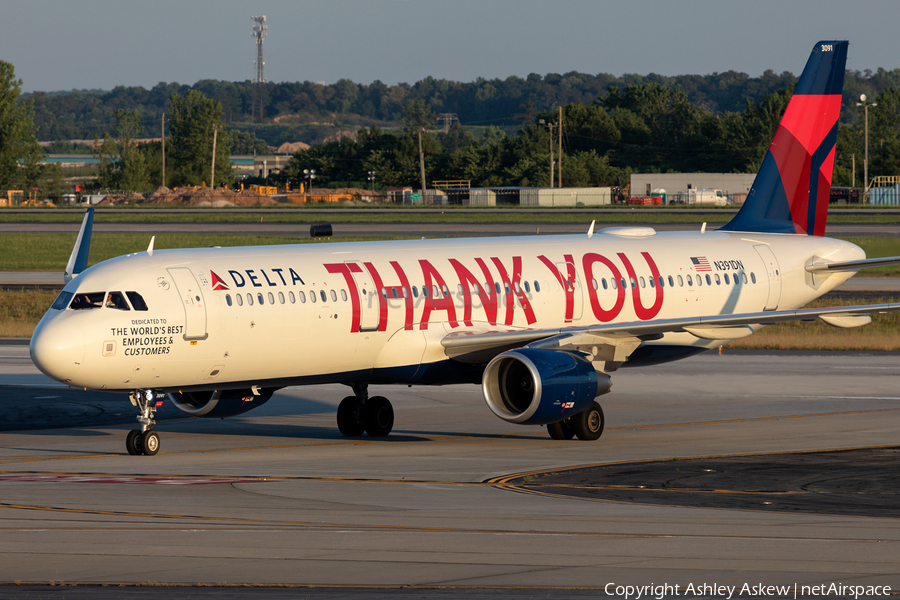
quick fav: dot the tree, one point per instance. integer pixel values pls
(130, 171)
(194, 120)
(246, 143)
(18, 141)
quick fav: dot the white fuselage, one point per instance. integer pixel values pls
(380, 309)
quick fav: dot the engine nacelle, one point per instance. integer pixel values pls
(535, 387)
(219, 403)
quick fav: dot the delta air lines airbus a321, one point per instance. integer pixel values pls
(539, 322)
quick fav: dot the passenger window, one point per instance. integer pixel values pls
(744, 278)
(271, 298)
(137, 301)
(393, 292)
(612, 282)
(415, 292)
(62, 301)
(633, 282)
(537, 286)
(718, 282)
(753, 277)
(699, 280)
(653, 282)
(661, 281)
(671, 283)
(280, 297)
(249, 299)
(344, 294)
(643, 283)
(424, 291)
(527, 288)
(689, 280)
(708, 280)
(228, 299)
(240, 299)
(516, 287)
(497, 287)
(333, 296)
(605, 285)
(727, 280)
(87, 301)
(312, 297)
(624, 285)
(323, 296)
(460, 290)
(292, 298)
(594, 284)
(302, 296)
(259, 297)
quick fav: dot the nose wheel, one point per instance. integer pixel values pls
(145, 440)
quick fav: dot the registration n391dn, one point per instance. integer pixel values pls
(539, 322)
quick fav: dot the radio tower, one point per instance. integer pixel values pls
(260, 31)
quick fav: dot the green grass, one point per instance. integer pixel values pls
(50, 251)
(393, 215)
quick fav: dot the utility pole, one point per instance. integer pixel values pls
(862, 102)
(212, 175)
(422, 164)
(853, 162)
(550, 128)
(164, 149)
(559, 135)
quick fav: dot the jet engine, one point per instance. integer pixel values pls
(535, 387)
(219, 403)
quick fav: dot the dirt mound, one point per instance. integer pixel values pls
(291, 148)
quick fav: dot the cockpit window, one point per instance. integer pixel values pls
(87, 301)
(62, 301)
(117, 301)
(136, 301)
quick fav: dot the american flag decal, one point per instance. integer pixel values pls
(701, 263)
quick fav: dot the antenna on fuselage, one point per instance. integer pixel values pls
(150, 247)
(591, 230)
(79, 258)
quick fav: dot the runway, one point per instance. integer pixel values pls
(278, 496)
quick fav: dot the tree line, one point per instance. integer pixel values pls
(628, 127)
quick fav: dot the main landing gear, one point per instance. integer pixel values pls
(587, 425)
(143, 440)
(359, 413)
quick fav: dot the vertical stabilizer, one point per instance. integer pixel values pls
(791, 191)
(79, 258)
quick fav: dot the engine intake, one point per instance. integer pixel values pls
(534, 387)
(219, 403)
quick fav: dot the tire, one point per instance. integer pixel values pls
(348, 417)
(378, 416)
(134, 442)
(588, 424)
(150, 443)
(561, 430)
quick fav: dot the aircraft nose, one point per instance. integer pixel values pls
(57, 349)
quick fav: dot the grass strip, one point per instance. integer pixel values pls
(882, 334)
(631, 216)
(50, 251)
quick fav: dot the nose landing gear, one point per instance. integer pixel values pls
(143, 440)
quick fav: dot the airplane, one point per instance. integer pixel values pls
(540, 322)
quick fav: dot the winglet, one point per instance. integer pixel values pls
(150, 247)
(591, 230)
(79, 258)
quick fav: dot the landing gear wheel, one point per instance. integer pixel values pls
(561, 430)
(150, 443)
(588, 425)
(378, 415)
(134, 442)
(348, 417)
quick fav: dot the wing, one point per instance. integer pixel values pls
(615, 341)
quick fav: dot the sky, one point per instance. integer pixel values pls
(58, 45)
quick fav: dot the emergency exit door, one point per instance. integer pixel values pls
(192, 300)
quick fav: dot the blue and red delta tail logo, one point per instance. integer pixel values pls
(791, 191)
(217, 283)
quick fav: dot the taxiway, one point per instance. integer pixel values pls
(279, 496)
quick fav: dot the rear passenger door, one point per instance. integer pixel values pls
(192, 300)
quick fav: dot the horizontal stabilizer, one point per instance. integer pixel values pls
(855, 265)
